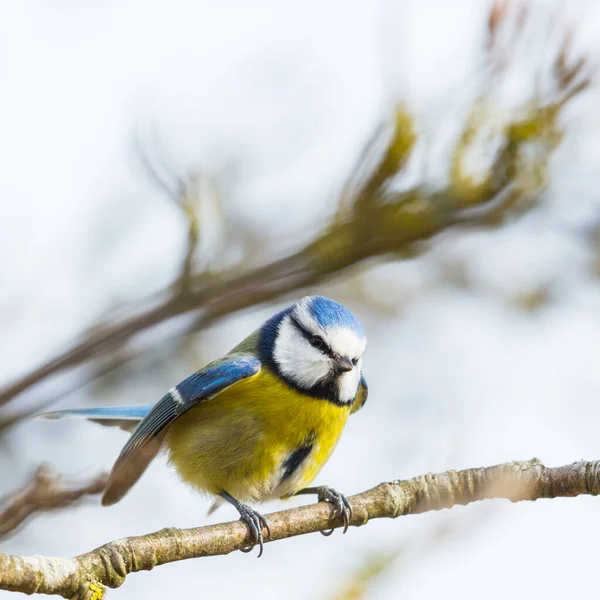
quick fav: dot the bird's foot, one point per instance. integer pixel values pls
(253, 519)
(340, 504)
(255, 522)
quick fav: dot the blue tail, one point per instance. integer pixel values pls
(126, 417)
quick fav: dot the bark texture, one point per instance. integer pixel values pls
(86, 577)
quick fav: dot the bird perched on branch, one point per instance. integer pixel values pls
(258, 423)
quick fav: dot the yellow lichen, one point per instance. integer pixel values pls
(98, 591)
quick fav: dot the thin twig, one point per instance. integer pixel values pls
(85, 576)
(47, 490)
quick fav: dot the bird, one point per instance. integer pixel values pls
(257, 424)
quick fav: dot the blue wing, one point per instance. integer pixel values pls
(145, 442)
(361, 395)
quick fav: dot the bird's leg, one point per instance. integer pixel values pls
(253, 519)
(341, 506)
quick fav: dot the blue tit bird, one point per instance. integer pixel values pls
(257, 424)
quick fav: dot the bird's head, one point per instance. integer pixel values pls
(316, 345)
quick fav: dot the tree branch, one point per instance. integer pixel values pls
(47, 490)
(85, 576)
(373, 219)
(378, 223)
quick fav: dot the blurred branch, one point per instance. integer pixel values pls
(373, 220)
(187, 204)
(373, 568)
(381, 225)
(47, 490)
(187, 196)
(85, 576)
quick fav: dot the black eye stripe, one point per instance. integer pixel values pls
(325, 349)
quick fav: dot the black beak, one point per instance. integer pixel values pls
(343, 364)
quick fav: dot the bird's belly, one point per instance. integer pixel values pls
(257, 440)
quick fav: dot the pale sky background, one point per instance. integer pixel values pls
(283, 95)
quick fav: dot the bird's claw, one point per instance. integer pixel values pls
(340, 504)
(255, 522)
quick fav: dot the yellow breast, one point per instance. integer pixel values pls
(243, 441)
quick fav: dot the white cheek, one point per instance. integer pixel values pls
(297, 359)
(348, 384)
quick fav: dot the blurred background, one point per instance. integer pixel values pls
(174, 172)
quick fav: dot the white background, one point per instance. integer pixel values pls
(283, 95)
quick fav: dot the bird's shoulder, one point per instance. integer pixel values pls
(247, 347)
(219, 374)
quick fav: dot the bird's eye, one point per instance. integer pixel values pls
(317, 341)
(354, 361)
